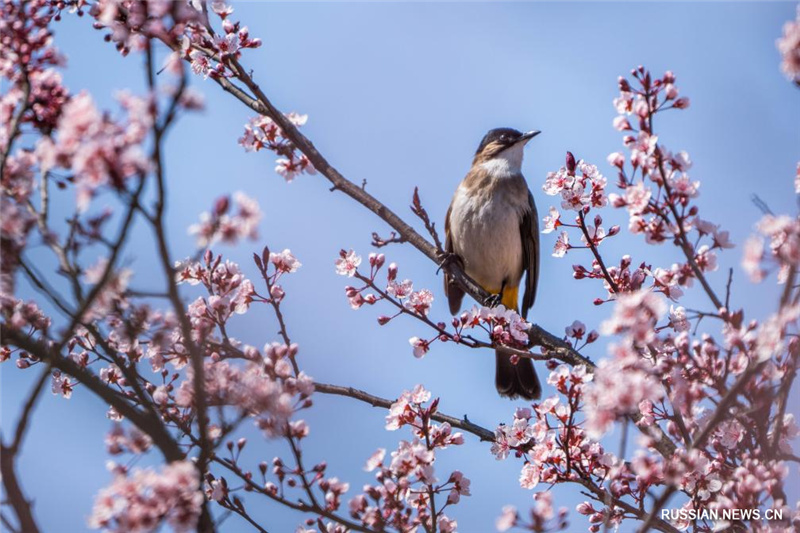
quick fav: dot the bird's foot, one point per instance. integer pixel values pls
(448, 258)
(494, 300)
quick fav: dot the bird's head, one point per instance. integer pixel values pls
(504, 145)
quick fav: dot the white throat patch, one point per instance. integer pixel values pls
(507, 163)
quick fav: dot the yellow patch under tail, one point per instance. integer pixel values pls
(509, 299)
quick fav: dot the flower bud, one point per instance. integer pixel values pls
(221, 205)
(681, 103)
(570, 163)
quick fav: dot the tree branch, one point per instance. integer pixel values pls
(376, 401)
(153, 427)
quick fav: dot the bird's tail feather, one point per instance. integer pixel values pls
(518, 380)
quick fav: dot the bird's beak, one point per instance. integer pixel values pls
(528, 136)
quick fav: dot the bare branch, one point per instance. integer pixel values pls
(376, 401)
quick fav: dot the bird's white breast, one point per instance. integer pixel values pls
(485, 231)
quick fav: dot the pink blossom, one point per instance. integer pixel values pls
(789, 431)
(621, 123)
(420, 302)
(562, 245)
(375, 460)
(289, 169)
(347, 264)
(677, 318)
(681, 161)
(616, 159)
(262, 132)
(460, 487)
(642, 149)
(797, 180)
(706, 259)
(284, 261)
(400, 290)
(596, 234)
(529, 477)
(557, 181)
(576, 330)
(508, 519)
(61, 385)
(789, 47)
(751, 261)
(730, 433)
(624, 103)
(683, 186)
(420, 346)
(574, 198)
(445, 524)
(552, 221)
(637, 198)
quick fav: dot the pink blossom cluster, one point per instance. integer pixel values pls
(262, 132)
(212, 54)
(229, 292)
(554, 448)
(23, 316)
(96, 149)
(407, 482)
(402, 292)
(264, 388)
(777, 245)
(27, 58)
(146, 499)
(221, 225)
(789, 47)
(129, 23)
(658, 192)
(184, 26)
(580, 193)
(503, 326)
(118, 440)
(32, 98)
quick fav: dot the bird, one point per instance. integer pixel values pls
(492, 230)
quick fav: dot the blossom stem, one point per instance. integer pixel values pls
(596, 253)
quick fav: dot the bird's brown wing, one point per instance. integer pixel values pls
(451, 289)
(529, 232)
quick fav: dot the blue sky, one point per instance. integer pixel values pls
(400, 95)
